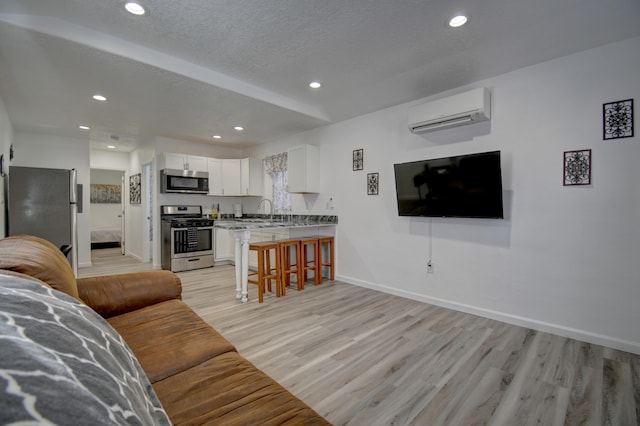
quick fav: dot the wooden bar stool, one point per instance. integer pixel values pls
(266, 273)
(291, 267)
(329, 259)
(310, 264)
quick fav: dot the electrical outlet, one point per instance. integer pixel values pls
(429, 268)
(330, 203)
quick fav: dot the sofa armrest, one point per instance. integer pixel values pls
(112, 295)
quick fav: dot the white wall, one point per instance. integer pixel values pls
(6, 139)
(564, 259)
(38, 150)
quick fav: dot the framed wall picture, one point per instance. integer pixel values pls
(104, 193)
(134, 189)
(358, 159)
(577, 167)
(617, 119)
(373, 183)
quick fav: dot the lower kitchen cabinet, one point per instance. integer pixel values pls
(225, 244)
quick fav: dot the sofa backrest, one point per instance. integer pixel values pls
(40, 259)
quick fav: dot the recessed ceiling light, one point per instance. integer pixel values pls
(217, 137)
(111, 146)
(239, 128)
(135, 8)
(84, 127)
(100, 98)
(315, 85)
(458, 21)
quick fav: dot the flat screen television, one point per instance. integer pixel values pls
(461, 186)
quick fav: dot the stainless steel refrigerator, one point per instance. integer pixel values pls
(43, 202)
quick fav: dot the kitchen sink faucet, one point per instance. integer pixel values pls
(270, 208)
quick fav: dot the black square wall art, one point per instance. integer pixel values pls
(617, 120)
(577, 167)
(373, 181)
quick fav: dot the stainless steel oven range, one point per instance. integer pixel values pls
(187, 238)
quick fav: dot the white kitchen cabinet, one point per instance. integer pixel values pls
(199, 164)
(231, 185)
(214, 167)
(224, 177)
(224, 245)
(251, 176)
(304, 169)
(183, 162)
(235, 177)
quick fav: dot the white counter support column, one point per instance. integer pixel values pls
(242, 238)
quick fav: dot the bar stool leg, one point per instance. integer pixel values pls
(260, 276)
(300, 269)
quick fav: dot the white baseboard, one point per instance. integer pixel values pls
(582, 335)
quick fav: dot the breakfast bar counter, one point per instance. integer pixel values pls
(242, 228)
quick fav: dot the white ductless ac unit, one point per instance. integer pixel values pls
(458, 110)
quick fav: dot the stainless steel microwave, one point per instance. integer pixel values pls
(184, 181)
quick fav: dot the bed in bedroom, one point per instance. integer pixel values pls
(105, 237)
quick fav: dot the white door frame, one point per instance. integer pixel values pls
(123, 191)
(146, 193)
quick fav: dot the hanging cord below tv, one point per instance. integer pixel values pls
(430, 236)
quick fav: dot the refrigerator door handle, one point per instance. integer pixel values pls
(73, 199)
(73, 187)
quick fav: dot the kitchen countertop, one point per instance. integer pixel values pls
(278, 221)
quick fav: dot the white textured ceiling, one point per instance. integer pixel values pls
(194, 68)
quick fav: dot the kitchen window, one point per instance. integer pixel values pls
(276, 168)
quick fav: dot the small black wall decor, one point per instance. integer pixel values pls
(134, 189)
(358, 159)
(373, 182)
(617, 119)
(577, 167)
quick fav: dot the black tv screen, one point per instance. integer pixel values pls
(460, 186)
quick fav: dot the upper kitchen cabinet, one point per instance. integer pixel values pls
(231, 185)
(251, 176)
(214, 167)
(183, 162)
(304, 169)
(235, 177)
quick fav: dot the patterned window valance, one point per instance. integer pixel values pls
(276, 163)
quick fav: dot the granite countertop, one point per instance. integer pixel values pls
(257, 221)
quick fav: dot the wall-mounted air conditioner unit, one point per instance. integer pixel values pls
(457, 110)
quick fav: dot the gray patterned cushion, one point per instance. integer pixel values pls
(61, 363)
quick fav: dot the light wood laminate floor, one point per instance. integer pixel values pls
(360, 357)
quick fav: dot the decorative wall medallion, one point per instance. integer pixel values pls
(617, 120)
(134, 189)
(373, 181)
(358, 159)
(577, 167)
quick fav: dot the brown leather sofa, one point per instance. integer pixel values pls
(197, 375)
